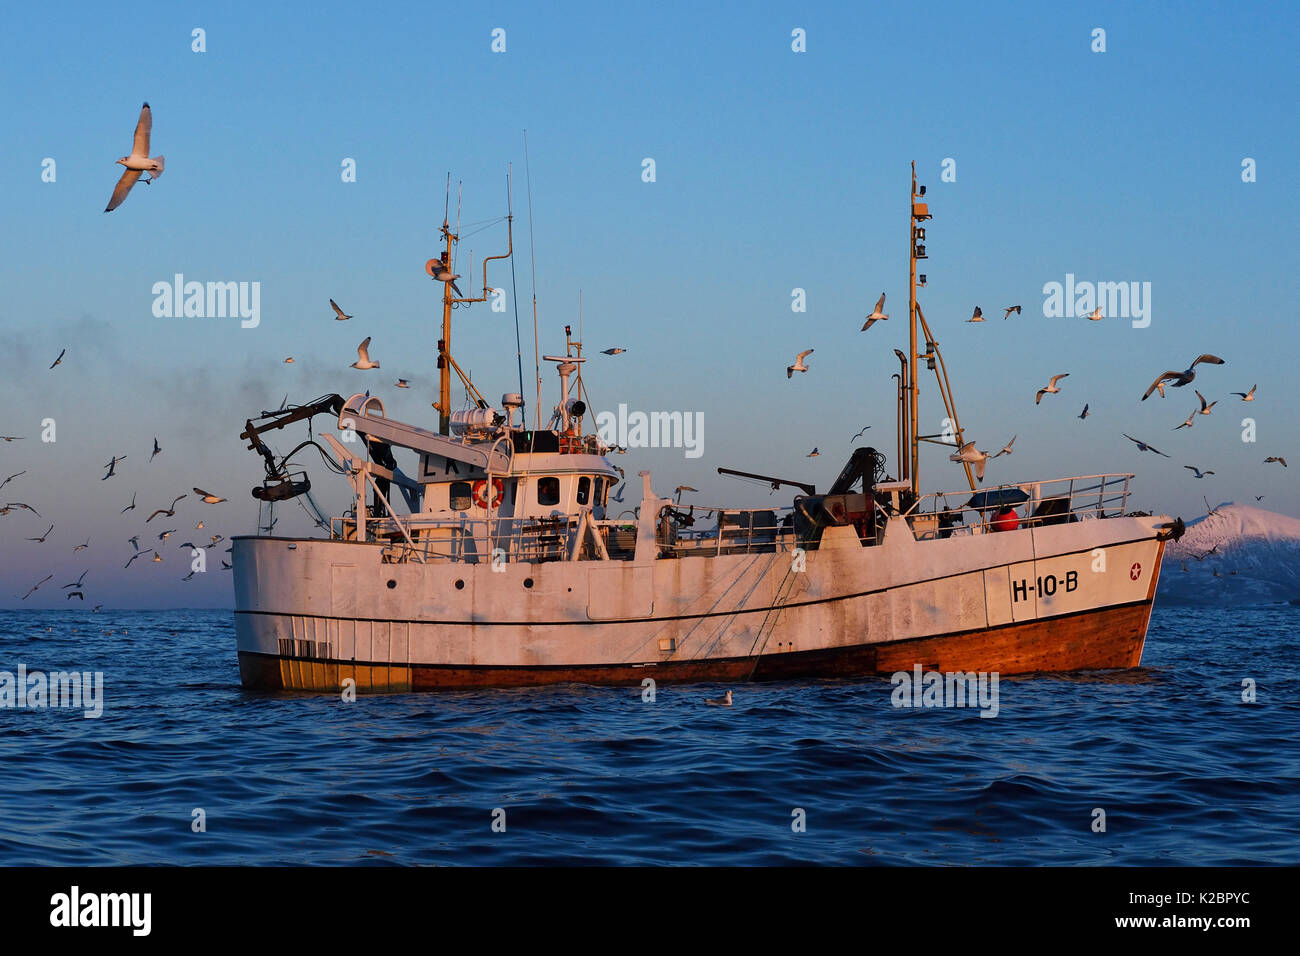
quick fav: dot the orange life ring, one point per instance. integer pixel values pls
(480, 492)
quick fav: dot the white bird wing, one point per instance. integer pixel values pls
(1057, 378)
(880, 304)
(335, 306)
(803, 354)
(140, 146)
(122, 188)
(363, 351)
(1212, 359)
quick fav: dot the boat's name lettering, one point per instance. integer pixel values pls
(1047, 585)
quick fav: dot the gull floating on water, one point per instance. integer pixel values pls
(723, 701)
(59, 360)
(1247, 396)
(1143, 446)
(1198, 472)
(798, 365)
(977, 317)
(363, 356)
(1050, 388)
(339, 314)
(1179, 379)
(138, 162)
(877, 314)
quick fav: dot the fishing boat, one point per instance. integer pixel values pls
(501, 553)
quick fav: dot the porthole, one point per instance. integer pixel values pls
(528, 582)
(460, 585)
(391, 584)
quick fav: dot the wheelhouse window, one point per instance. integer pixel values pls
(584, 490)
(459, 495)
(548, 491)
(601, 489)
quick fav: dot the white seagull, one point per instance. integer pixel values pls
(1247, 396)
(363, 356)
(1197, 471)
(138, 162)
(339, 314)
(977, 317)
(1084, 413)
(798, 365)
(1009, 309)
(1191, 420)
(1205, 408)
(971, 455)
(1050, 388)
(877, 315)
(1143, 446)
(1095, 315)
(723, 701)
(1006, 449)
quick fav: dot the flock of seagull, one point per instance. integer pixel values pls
(76, 589)
(968, 453)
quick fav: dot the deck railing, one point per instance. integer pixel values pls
(1035, 504)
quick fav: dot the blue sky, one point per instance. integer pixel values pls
(775, 170)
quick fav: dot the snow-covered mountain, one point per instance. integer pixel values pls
(1240, 555)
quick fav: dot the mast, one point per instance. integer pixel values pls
(444, 345)
(920, 212)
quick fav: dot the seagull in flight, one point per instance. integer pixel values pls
(441, 270)
(977, 317)
(169, 512)
(25, 507)
(1280, 461)
(81, 547)
(1006, 449)
(1143, 446)
(363, 356)
(680, 488)
(814, 453)
(12, 477)
(612, 351)
(339, 314)
(156, 559)
(1247, 396)
(42, 538)
(163, 535)
(208, 497)
(1191, 420)
(1199, 473)
(402, 383)
(798, 365)
(877, 314)
(77, 583)
(1084, 413)
(135, 540)
(59, 360)
(860, 434)
(133, 557)
(971, 455)
(156, 450)
(111, 466)
(1009, 309)
(131, 506)
(1205, 408)
(1095, 315)
(1179, 379)
(37, 585)
(1208, 510)
(1050, 388)
(138, 162)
